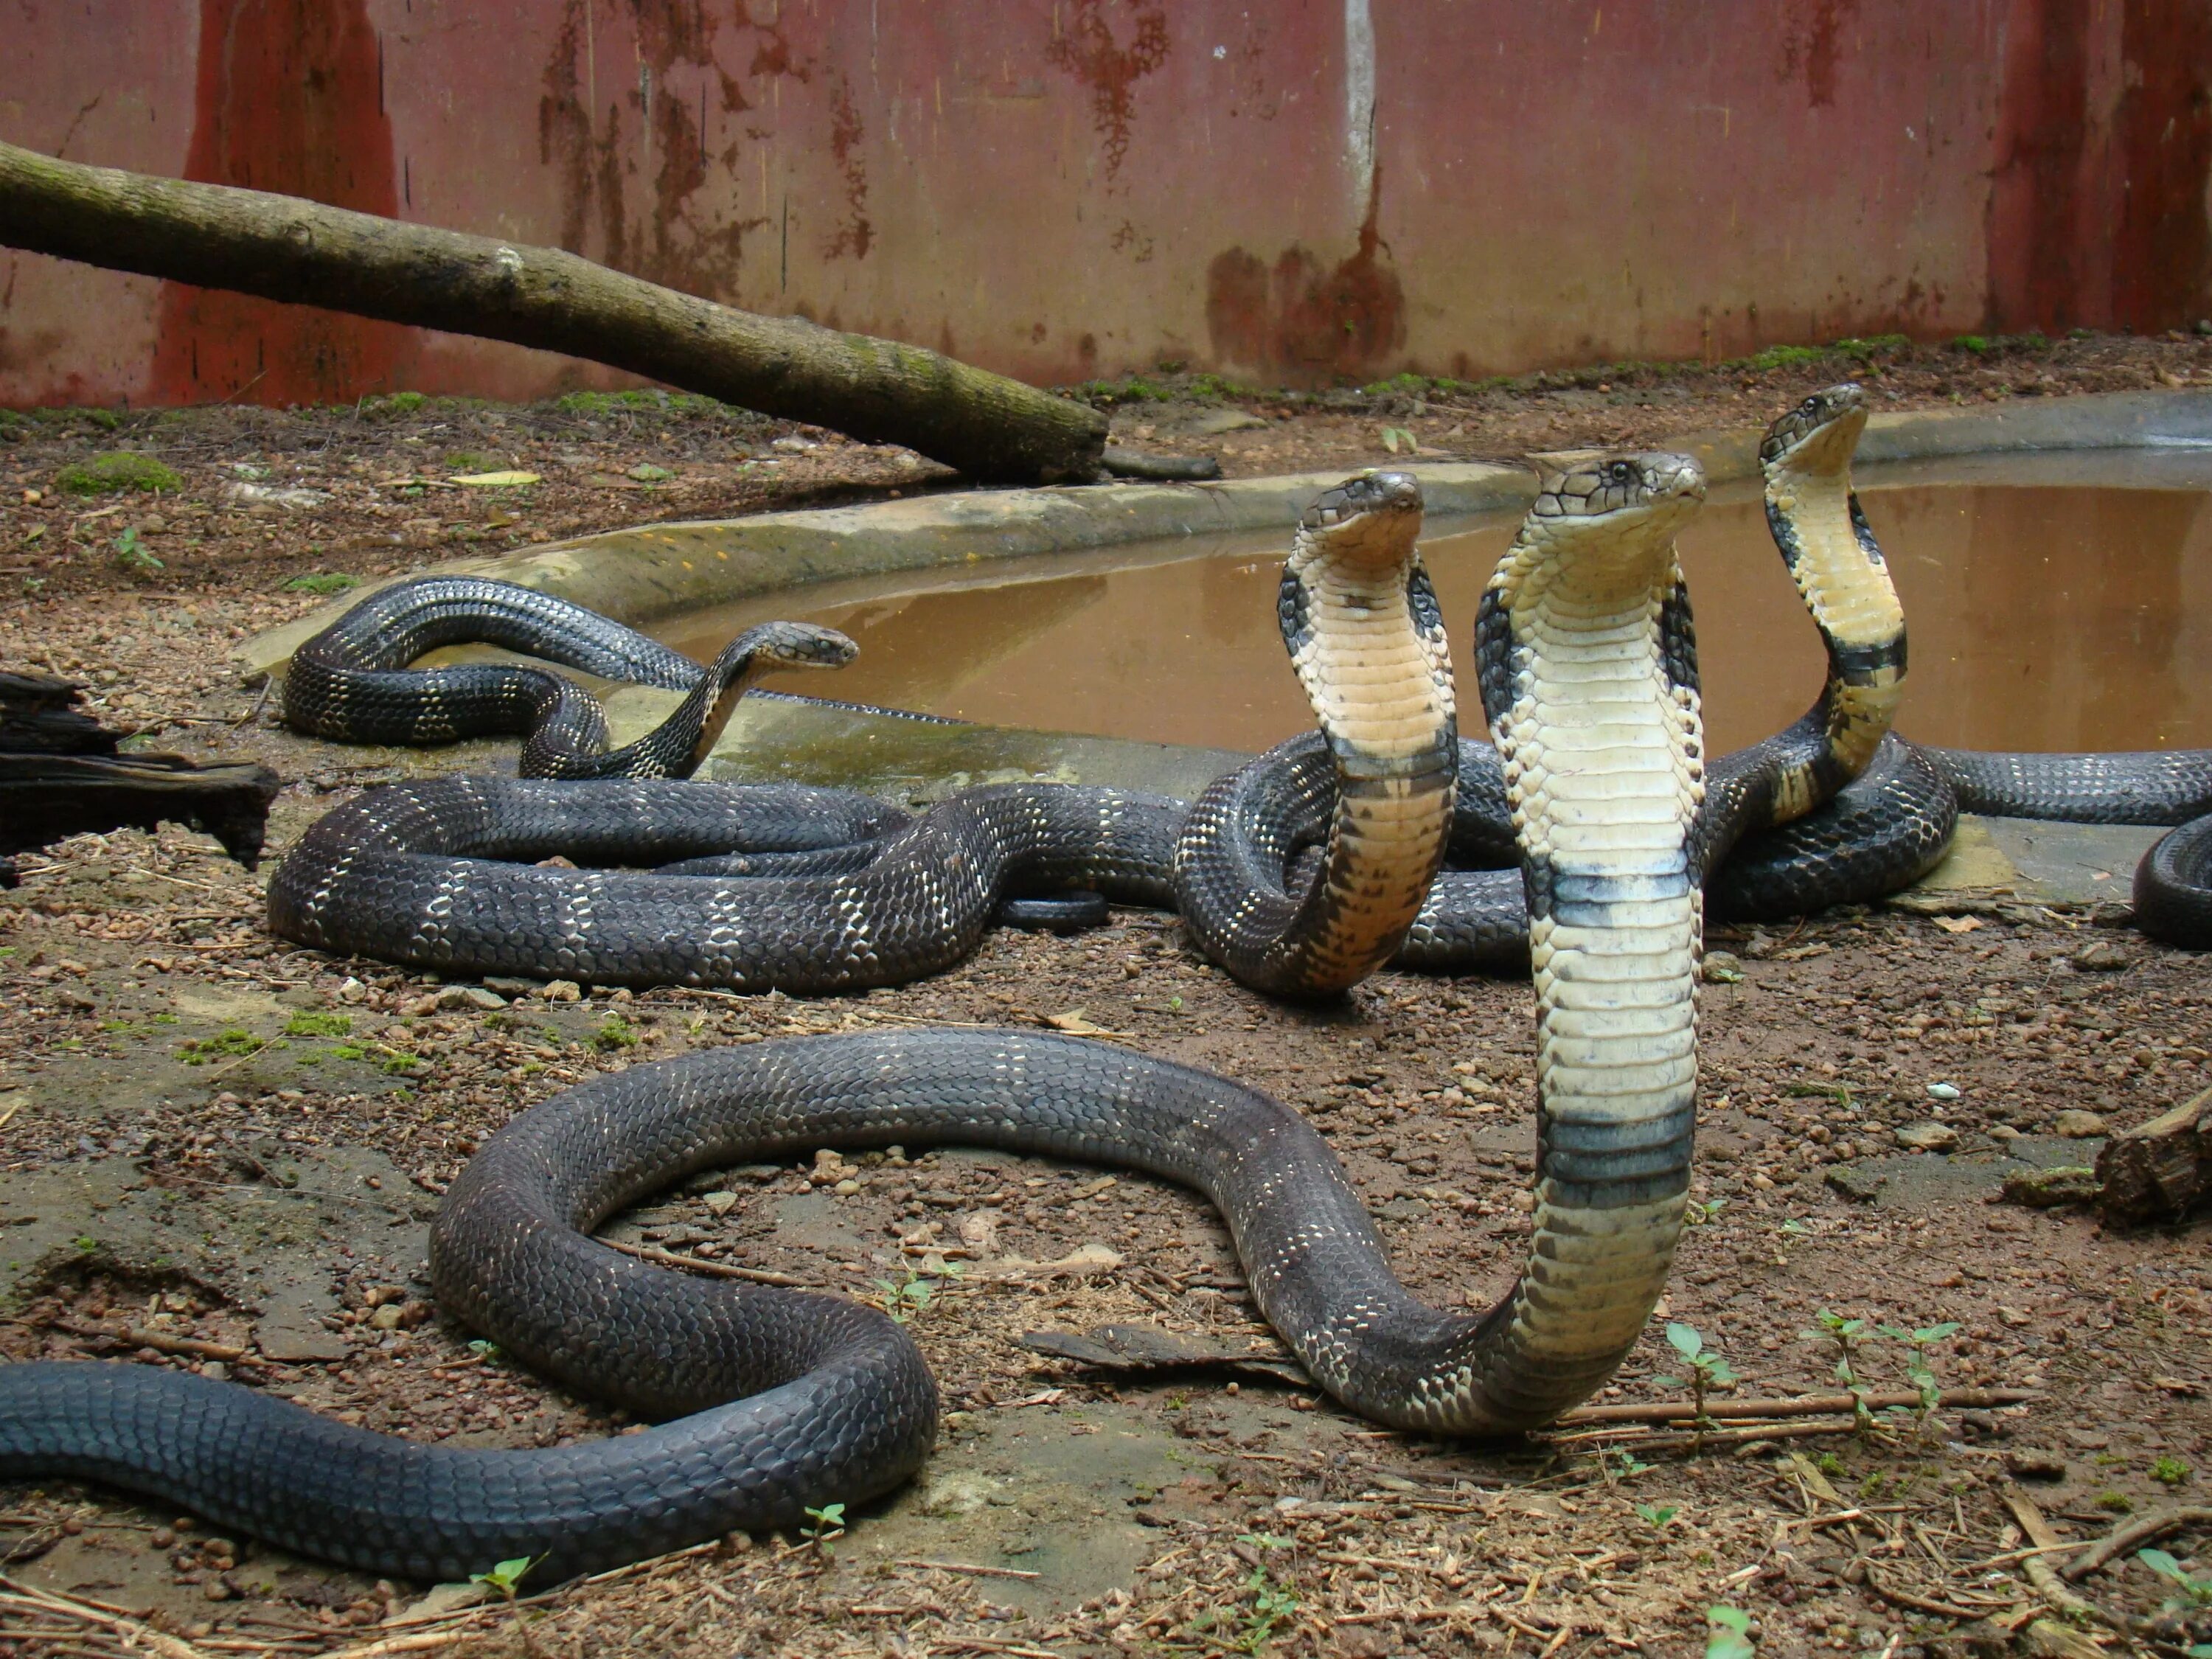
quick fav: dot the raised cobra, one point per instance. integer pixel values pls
(352, 680)
(1367, 642)
(1776, 836)
(1589, 677)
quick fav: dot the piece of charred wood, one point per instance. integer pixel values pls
(39, 715)
(61, 776)
(45, 799)
(2160, 1171)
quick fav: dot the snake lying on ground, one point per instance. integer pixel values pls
(351, 681)
(1589, 677)
(445, 874)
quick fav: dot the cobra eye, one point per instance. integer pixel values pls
(1620, 472)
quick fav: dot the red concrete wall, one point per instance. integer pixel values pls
(1062, 188)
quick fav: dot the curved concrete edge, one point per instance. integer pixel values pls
(638, 575)
(641, 575)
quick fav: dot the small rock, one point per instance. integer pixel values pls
(561, 990)
(720, 1203)
(469, 996)
(846, 1188)
(1928, 1137)
(509, 988)
(418, 1006)
(387, 1317)
(215, 1590)
(1215, 422)
(1721, 967)
(1854, 1183)
(214, 1370)
(2100, 956)
(2076, 1124)
(2047, 1190)
(2033, 1463)
(352, 991)
(2003, 1132)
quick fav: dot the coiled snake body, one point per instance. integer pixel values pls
(1589, 677)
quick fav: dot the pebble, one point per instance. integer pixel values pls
(2033, 1463)
(720, 1203)
(1721, 967)
(561, 990)
(2100, 956)
(469, 996)
(2075, 1124)
(1928, 1137)
(846, 1188)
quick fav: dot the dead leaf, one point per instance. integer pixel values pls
(1957, 924)
(495, 480)
(979, 1231)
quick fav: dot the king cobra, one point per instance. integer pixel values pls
(1830, 810)
(1836, 809)
(445, 874)
(1587, 675)
(352, 682)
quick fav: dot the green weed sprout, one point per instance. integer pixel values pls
(2195, 1592)
(1916, 1363)
(1708, 1371)
(506, 1575)
(907, 1297)
(1656, 1515)
(1846, 1333)
(824, 1528)
(134, 556)
(1272, 1603)
(1727, 1633)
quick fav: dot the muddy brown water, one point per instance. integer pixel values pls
(2054, 602)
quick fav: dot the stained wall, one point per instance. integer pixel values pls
(1292, 190)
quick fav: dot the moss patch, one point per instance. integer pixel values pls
(115, 472)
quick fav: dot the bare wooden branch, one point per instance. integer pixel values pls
(280, 248)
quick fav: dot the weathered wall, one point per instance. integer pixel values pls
(1063, 188)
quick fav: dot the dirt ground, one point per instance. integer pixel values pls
(219, 1153)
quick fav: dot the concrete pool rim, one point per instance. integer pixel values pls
(644, 574)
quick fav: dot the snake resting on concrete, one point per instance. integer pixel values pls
(811, 890)
(1831, 810)
(773, 1401)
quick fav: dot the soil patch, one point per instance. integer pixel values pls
(220, 1153)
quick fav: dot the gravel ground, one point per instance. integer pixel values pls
(219, 1153)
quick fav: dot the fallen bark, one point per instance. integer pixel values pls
(2160, 1170)
(68, 780)
(280, 248)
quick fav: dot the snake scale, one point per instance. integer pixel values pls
(1589, 678)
